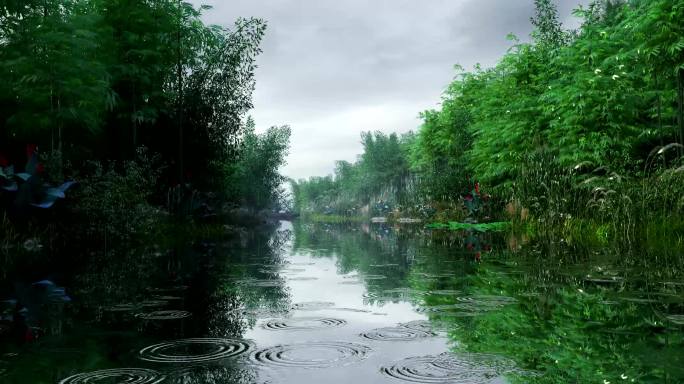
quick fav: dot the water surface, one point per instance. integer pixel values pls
(313, 303)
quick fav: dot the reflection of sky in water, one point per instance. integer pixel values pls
(331, 287)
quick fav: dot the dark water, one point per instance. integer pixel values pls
(353, 304)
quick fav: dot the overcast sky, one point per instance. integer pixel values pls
(332, 69)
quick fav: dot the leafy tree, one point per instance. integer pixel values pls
(256, 176)
(54, 84)
(380, 173)
(95, 79)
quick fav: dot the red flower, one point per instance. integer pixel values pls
(31, 150)
(477, 188)
(468, 197)
(478, 256)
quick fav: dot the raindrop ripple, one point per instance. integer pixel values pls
(118, 375)
(165, 315)
(396, 334)
(302, 323)
(320, 354)
(211, 349)
(450, 368)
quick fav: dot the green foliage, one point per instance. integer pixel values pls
(96, 79)
(597, 95)
(218, 95)
(91, 81)
(53, 78)
(380, 174)
(335, 219)
(254, 180)
(480, 227)
(112, 204)
(563, 127)
(438, 153)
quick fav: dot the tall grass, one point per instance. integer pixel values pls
(596, 201)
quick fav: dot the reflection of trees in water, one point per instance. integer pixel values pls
(126, 278)
(581, 314)
(574, 312)
(212, 374)
(105, 324)
(252, 273)
(412, 260)
(380, 256)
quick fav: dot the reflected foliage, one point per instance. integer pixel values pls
(563, 312)
(118, 305)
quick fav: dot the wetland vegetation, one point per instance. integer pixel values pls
(530, 230)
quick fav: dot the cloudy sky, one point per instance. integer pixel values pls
(332, 69)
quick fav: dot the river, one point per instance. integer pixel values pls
(317, 303)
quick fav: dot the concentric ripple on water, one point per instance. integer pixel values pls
(405, 292)
(198, 350)
(153, 303)
(450, 368)
(168, 298)
(373, 297)
(303, 278)
(357, 310)
(445, 292)
(116, 375)
(396, 334)
(374, 277)
(177, 288)
(455, 310)
(312, 305)
(425, 325)
(312, 355)
(487, 300)
(265, 283)
(165, 315)
(302, 323)
(469, 305)
(496, 363)
(120, 308)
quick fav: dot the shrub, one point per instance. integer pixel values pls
(112, 203)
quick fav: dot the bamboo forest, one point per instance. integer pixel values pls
(254, 191)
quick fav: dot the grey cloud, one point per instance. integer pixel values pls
(330, 68)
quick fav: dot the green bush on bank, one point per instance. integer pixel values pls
(581, 126)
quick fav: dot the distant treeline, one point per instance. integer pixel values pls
(585, 112)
